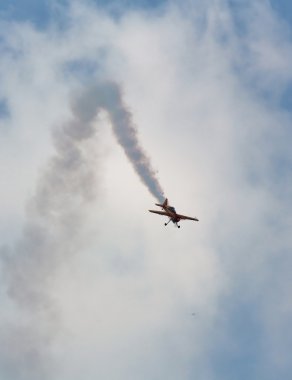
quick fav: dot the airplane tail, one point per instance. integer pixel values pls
(165, 203)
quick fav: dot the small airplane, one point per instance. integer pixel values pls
(171, 213)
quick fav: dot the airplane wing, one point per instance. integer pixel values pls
(187, 217)
(159, 212)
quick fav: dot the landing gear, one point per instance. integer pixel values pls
(178, 226)
(167, 222)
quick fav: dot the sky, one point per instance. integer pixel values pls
(94, 286)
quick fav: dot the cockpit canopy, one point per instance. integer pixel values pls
(171, 209)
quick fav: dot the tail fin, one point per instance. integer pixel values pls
(165, 203)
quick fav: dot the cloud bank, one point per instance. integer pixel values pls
(100, 288)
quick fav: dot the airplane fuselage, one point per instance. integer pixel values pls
(171, 213)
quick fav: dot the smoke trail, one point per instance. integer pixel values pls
(51, 234)
(108, 96)
(52, 231)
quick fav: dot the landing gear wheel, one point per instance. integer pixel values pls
(178, 226)
(165, 224)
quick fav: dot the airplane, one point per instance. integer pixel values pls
(171, 213)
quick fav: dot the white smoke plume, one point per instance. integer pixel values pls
(54, 225)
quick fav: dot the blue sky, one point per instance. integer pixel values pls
(42, 12)
(39, 12)
(83, 265)
(284, 8)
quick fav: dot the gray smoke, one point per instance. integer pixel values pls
(55, 217)
(108, 96)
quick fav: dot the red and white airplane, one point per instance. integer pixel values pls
(171, 213)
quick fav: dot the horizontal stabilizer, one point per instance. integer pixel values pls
(159, 212)
(165, 203)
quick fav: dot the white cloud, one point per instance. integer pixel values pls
(126, 296)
